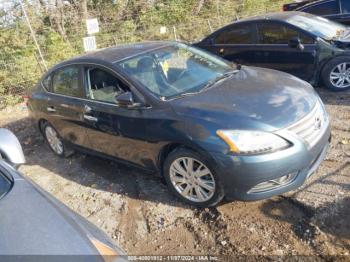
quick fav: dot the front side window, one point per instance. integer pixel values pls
(280, 34)
(275, 34)
(241, 34)
(66, 82)
(103, 86)
(175, 70)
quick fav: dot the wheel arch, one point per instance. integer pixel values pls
(170, 147)
(41, 123)
(319, 79)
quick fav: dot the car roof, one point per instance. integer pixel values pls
(119, 52)
(278, 16)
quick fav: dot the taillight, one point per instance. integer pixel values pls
(25, 99)
(284, 8)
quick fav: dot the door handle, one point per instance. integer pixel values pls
(87, 109)
(51, 109)
(90, 118)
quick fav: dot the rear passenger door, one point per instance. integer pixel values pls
(273, 51)
(236, 43)
(64, 106)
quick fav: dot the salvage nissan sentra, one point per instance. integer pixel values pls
(209, 127)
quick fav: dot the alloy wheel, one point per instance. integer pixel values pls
(192, 179)
(54, 140)
(340, 75)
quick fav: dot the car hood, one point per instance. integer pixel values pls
(250, 98)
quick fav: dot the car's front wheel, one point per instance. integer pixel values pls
(336, 74)
(190, 177)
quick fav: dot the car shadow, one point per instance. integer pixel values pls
(331, 217)
(334, 98)
(92, 171)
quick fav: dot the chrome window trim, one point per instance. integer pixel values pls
(86, 99)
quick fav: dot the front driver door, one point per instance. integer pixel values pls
(272, 50)
(113, 130)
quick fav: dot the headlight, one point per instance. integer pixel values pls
(252, 142)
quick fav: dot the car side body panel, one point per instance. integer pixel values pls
(47, 227)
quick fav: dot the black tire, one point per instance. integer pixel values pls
(327, 70)
(66, 151)
(183, 152)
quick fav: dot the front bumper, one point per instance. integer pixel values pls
(239, 174)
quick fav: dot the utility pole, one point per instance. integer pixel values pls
(33, 35)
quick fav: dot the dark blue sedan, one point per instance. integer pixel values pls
(209, 127)
(307, 46)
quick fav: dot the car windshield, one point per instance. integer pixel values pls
(317, 25)
(176, 70)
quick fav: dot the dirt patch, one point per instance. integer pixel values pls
(136, 210)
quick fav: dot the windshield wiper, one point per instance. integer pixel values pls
(206, 86)
(219, 78)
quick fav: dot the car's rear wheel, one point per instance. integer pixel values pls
(336, 74)
(190, 178)
(54, 141)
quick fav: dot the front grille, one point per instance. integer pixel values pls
(311, 127)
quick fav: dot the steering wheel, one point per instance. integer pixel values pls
(186, 70)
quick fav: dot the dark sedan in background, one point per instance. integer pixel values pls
(209, 127)
(336, 10)
(34, 226)
(307, 46)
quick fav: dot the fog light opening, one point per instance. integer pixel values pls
(273, 184)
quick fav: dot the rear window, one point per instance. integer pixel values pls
(66, 82)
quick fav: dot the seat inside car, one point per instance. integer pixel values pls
(146, 70)
(103, 85)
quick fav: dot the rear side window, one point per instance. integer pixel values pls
(324, 8)
(66, 82)
(236, 35)
(279, 34)
(47, 82)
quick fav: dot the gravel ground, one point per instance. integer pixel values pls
(140, 215)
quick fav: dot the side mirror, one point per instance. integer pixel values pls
(295, 42)
(10, 148)
(126, 100)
